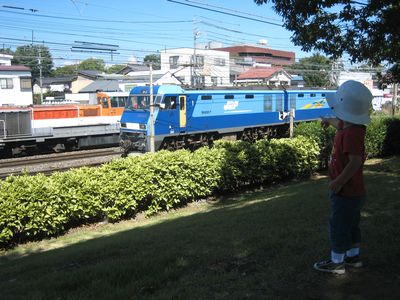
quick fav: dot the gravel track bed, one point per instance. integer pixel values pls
(49, 166)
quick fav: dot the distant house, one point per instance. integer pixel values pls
(297, 81)
(83, 79)
(101, 85)
(54, 84)
(260, 55)
(264, 76)
(133, 68)
(209, 68)
(15, 85)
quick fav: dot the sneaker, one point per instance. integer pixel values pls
(353, 262)
(330, 267)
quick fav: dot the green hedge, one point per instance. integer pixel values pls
(35, 207)
(382, 137)
(323, 137)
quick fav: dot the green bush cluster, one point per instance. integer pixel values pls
(323, 137)
(35, 207)
(382, 137)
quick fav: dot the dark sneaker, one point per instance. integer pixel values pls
(353, 262)
(330, 267)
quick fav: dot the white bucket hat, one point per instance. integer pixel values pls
(351, 102)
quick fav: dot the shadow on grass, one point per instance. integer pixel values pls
(257, 245)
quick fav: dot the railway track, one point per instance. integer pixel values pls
(48, 164)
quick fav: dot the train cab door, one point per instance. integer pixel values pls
(104, 101)
(182, 111)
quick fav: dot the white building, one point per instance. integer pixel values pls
(15, 85)
(210, 68)
(5, 59)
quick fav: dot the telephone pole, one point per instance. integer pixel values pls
(40, 75)
(193, 74)
(152, 148)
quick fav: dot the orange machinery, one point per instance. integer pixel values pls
(108, 104)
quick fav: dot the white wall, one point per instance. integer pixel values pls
(15, 96)
(5, 59)
(209, 70)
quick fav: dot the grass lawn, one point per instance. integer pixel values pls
(254, 245)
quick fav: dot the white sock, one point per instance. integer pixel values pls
(353, 252)
(337, 257)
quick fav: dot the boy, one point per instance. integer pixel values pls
(350, 104)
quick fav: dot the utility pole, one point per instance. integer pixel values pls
(152, 148)
(194, 60)
(40, 75)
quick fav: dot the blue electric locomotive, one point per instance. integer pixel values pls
(193, 118)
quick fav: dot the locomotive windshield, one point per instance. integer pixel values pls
(138, 102)
(141, 101)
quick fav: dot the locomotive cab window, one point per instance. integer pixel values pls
(138, 102)
(104, 102)
(169, 102)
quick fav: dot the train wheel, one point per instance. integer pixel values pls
(6, 153)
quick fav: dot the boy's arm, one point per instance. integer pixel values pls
(355, 162)
(325, 122)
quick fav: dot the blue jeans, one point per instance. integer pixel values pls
(344, 223)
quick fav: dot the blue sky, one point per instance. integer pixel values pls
(138, 27)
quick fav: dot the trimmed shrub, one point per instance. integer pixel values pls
(383, 137)
(34, 207)
(323, 136)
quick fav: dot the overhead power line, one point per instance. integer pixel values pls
(94, 20)
(226, 13)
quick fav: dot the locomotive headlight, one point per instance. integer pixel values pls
(135, 126)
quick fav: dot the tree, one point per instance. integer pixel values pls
(314, 69)
(92, 64)
(115, 69)
(6, 51)
(29, 56)
(65, 70)
(366, 30)
(154, 59)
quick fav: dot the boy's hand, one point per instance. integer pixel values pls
(325, 122)
(335, 186)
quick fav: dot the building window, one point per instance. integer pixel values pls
(199, 60)
(219, 61)
(6, 83)
(214, 80)
(173, 62)
(26, 83)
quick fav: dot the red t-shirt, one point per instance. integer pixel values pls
(349, 140)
